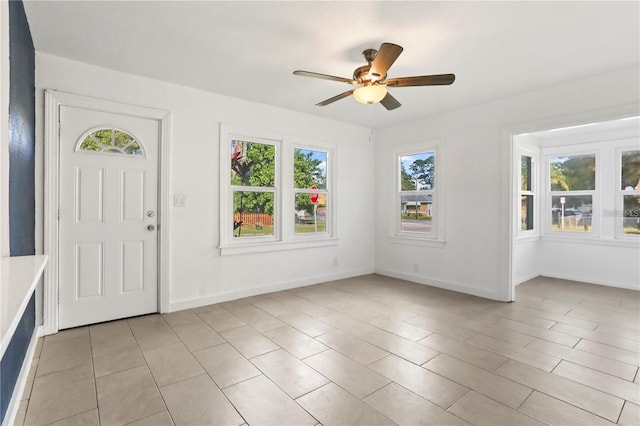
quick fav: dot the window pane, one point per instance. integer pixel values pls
(631, 214)
(631, 170)
(253, 213)
(309, 168)
(574, 214)
(525, 172)
(574, 173)
(113, 141)
(253, 164)
(417, 171)
(526, 215)
(416, 213)
(310, 217)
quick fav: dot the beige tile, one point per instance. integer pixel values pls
(433, 387)
(399, 328)
(26, 394)
(160, 419)
(497, 333)
(38, 349)
(478, 409)
(468, 353)
(198, 401)
(411, 351)
(225, 365)
(482, 381)
(347, 324)
(61, 355)
(334, 406)
(60, 395)
(609, 352)
(275, 307)
(191, 328)
(152, 332)
(257, 318)
(110, 339)
(172, 363)
(515, 312)
(307, 324)
(589, 325)
(200, 340)
(441, 327)
(406, 408)
(552, 411)
(128, 396)
(612, 385)
(597, 362)
(88, 418)
(352, 347)
(221, 319)
(248, 341)
(542, 333)
(347, 373)
(290, 374)
(581, 396)
(180, 318)
(109, 364)
(621, 331)
(630, 415)
(295, 342)
(514, 351)
(61, 336)
(278, 409)
(600, 337)
(21, 413)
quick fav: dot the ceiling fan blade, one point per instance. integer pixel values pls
(386, 56)
(389, 102)
(323, 76)
(335, 98)
(422, 80)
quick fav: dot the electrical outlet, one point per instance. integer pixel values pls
(179, 200)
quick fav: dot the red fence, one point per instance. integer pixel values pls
(250, 219)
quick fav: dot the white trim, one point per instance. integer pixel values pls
(270, 288)
(589, 281)
(253, 246)
(53, 101)
(18, 390)
(414, 241)
(460, 288)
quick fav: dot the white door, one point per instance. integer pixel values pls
(108, 216)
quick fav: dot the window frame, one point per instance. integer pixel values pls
(569, 151)
(620, 193)
(436, 237)
(284, 236)
(534, 173)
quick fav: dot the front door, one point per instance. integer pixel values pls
(108, 202)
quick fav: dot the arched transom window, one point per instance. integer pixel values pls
(112, 141)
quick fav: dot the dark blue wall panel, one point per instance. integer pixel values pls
(14, 355)
(22, 122)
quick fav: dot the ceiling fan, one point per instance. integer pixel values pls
(372, 79)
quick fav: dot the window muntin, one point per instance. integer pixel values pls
(310, 189)
(416, 193)
(527, 206)
(630, 192)
(253, 185)
(572, 184)
(110, 140)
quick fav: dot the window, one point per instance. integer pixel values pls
(527, 193)
(572, 187)
(629, 192)
(275, 194)
(310, 189)
(416, 194)
(112, 141)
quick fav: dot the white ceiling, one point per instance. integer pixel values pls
(248, 50)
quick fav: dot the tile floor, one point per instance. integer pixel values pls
(363, 351)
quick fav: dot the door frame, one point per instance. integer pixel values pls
(53, 100)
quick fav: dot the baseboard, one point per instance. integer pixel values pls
(460, 288)
(526, 278)
(591, 281)
(270, 288)
(18, 390)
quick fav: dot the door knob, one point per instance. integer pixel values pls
(151, 228)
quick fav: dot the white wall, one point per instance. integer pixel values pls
(199, 275)
(477, 179)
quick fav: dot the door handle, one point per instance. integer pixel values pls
(151, 228)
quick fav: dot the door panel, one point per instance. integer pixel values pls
(108, 183)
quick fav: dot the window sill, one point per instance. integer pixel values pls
(267, 247)
(525, 239)
(420, 242)
(613, 242)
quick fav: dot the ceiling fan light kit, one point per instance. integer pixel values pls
(372, 80)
